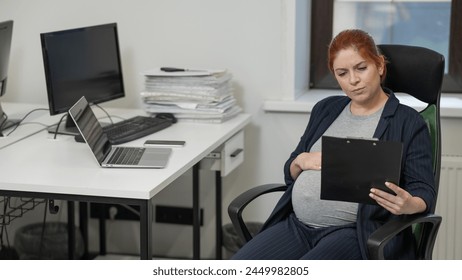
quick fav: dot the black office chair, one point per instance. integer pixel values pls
(418, 72)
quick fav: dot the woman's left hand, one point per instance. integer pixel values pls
(401, 203)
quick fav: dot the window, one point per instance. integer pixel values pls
(433, 24)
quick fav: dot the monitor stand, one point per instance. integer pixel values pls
(2, 119)
(5, 122)
(10, 123)
(67, 128)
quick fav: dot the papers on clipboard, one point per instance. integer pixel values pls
(352, 166)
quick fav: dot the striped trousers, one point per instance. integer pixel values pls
(290, 239)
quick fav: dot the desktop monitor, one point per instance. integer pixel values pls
(81, 62)
(6, 33)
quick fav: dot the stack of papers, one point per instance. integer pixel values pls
(191, 95)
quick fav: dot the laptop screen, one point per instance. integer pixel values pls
(90, 128)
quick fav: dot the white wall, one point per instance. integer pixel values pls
(243, 36)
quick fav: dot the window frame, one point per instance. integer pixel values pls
(321, 35)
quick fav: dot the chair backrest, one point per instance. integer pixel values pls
(419, 71)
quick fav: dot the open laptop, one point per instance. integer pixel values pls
(113, 156)
(352, 166)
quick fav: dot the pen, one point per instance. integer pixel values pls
(173, 69)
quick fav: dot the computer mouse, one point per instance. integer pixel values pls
(167, 116)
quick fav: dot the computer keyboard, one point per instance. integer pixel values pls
(134, 128)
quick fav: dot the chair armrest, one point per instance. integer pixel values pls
(380, 238)
(238, 205)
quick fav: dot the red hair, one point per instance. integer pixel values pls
(362, 42)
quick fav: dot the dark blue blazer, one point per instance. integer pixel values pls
(397, 123)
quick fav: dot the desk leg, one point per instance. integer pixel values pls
(146, 230)
(83, 222)
(71, 229)
(102, 229)
(218, 218)
(196, 214)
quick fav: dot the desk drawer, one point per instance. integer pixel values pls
(227, 157)
(232, 153)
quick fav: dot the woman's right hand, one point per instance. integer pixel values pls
(305, 161)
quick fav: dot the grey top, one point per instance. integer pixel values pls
(308, 206)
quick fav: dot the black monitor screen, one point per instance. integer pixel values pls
(6, 33)
(82, 62)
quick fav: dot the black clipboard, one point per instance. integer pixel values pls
(352, 166)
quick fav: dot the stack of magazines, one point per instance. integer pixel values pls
(192, 95)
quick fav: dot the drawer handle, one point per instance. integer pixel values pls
(236, 152)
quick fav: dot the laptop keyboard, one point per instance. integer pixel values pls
(126, 156)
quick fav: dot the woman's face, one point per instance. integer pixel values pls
(359, 78)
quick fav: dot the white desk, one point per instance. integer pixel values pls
(40, 166)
